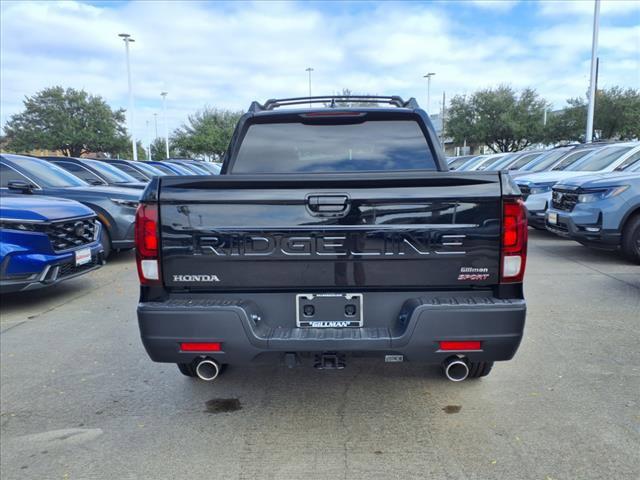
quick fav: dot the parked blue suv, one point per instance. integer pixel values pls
(601, 211)
(45, 240)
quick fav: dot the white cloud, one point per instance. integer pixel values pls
(227, 55)
(495, 5)
(586, 7)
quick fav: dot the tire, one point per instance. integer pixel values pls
(186, 369)
(105, 240)
(631, 239)
(479, 369)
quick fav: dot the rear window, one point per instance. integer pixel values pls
(368, 146)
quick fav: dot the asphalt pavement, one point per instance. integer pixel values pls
(81, 400)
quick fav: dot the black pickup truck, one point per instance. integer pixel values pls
(333, 231)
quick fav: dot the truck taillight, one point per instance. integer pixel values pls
(147, 244)
(514, 241)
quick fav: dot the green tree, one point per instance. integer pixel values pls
(70, 120)
(346, 92)
(207, 132)
(159, 149)
(142, 152)
(616, 116)
(500, 118)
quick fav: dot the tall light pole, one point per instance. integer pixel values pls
(428, 77)
(127, 39)
(309, 69)
(166, 127)
(155, 121)
(148, 141)
(592, 83)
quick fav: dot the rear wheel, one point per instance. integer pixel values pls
(631, 239)
(479, 369)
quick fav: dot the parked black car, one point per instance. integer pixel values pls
(114, 206)
(95, 172)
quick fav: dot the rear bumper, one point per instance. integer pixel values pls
(246, 336)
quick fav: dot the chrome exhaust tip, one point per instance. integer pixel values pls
(207, 369)
(456, 369)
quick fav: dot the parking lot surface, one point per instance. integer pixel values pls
(80, 398)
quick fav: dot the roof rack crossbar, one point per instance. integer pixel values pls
(332, 99)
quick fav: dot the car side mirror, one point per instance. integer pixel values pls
(21, 186)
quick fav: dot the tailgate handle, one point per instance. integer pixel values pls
(328, 205)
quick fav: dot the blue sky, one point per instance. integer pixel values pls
(228, 54)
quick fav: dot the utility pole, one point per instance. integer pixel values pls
(592, 82)
(428, 77)
(127, 40)
(309, 69)
(166, 127)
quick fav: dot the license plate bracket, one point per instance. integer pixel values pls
(82, 256)
(329, 310)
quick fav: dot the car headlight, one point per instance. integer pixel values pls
(541, 188)
(601, 194)
(125, 203)
(18, 225)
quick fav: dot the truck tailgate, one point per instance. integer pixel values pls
(331, 232)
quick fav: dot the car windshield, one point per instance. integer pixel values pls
(210, 167)
(456, 162)
(491, 161)
(470, 164)
(630, 163)
(495, 162)
(131, 171)
(150, 169)
(571, 158)
(599, 160)
(47, 174)
(111, 173)
(523, 161)
(296, 147)
(189, 168)
(164, 168)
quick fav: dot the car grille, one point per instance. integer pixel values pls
(525, 190)
(71, 233)
(70, 268)
(564, 200)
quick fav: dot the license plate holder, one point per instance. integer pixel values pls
(329, 310)
(82, 256)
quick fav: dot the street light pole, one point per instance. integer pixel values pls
(592, 82)
(155, 120)
(127, 39)
(309, 69)
(166, 127)
(148, 141)
(428, 77)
